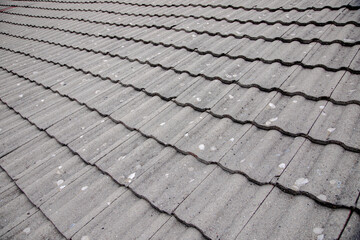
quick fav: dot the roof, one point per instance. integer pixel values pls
(180, 119)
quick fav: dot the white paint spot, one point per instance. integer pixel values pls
(191, 180)
(18, 84)
(322, 107)
(332, 182)
(202, 147)
(213, 148)
(42, 100)
(20, 96)
(162, 124)
(243, 160)
(272, 105)
(27, 230)
(232, 139)
(282, 165)
(186, 134)
(231, 96)
(294, 101)
(84, 188)
(301, 182)
(331, 129)
(59, 182)
(97, 91)
(320, 237)
(131, 176)
(322, 197)
(59, 167)
(198, 99)
(62, 187)
(166, 175)
(273, 119)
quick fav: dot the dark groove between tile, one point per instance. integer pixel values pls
(230, 171)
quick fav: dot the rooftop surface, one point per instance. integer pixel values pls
(195, 119)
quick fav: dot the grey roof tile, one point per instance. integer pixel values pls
(172, 229)
(204, 94)
(135, 155)
(315, 82)
(172, 123)
(171, 179)
(333, 56)
(348, 33)
(283, 216)
(137, 111)
(332, 174)
(267, 75)
(99, 140)
(351, 231)
(281, 111)
(127, 217)
(288, 52)
(242, 103)
(28, 154)
(348, 88)
(212, 138)
(309, 32)
(355, 63)
(261, 154)
(35, 226)
(70, 209)
(222, 204)
(339, 123)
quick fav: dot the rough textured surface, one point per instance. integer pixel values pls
(165, 119)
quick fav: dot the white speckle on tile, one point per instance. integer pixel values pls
(198, 99)
(349, 40)
(20, 96)
(323, 114)
(213, 148)
(42, 100)
(202, 147)
(322, 107)
(332, 182)
(62, 187)
(294, 101)
(282, 165)
(162, 124)
(231, 96)
(191, 180)
(97, 91)
(59, 182)
(131, 176)
(320, 237)
(186, 134)
(102, 121)
(84, 188)
(59, 167)
(85, 238)
(301, 182)
(273, 119)
(166, 175)
(330, 130)
(27, 230)
(121, 158)
(18, 84)
(268, 123)
(232, 139)
(82, 128)
(81, 136)
(243, 160)
(272, 105)
(322, 197)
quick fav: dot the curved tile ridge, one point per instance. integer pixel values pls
(174, 28)
(285, 23)
(287, 133)
(282, 62)
(227, 82)
(107, 174)
(348, 6)
(32, 203)
(225, 169)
